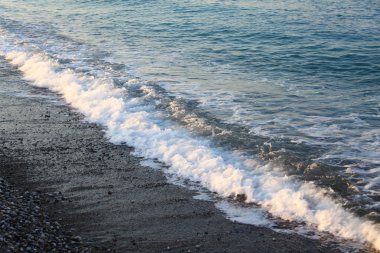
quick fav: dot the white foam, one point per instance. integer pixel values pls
(151, 164)
(246, 215)
(202, 196)
(130, 120)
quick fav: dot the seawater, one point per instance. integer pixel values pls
(270, 103)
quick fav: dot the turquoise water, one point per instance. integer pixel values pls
(296, 83)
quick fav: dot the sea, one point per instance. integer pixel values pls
(271, 109)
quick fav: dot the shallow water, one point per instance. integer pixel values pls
(231, 94)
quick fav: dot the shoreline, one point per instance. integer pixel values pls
(103, 193)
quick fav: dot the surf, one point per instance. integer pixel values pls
(131, 121)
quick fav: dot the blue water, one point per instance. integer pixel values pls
(292, 82)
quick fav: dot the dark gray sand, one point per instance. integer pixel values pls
(98, 193)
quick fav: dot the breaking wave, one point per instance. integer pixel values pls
(128, 119)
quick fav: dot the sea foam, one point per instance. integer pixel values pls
(132, 121)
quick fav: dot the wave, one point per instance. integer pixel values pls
(130, 120)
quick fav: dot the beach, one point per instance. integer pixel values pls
(210, 126)
(98, 192)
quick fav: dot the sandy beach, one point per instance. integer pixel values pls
(101, 194)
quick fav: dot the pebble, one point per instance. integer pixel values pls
(77, 238)
(24, 227)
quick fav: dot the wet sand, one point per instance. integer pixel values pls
(100, 191)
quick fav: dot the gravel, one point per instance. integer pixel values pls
(24, 227)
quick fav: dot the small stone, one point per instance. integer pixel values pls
(76, 238)
(273, 239)
(197, 246)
